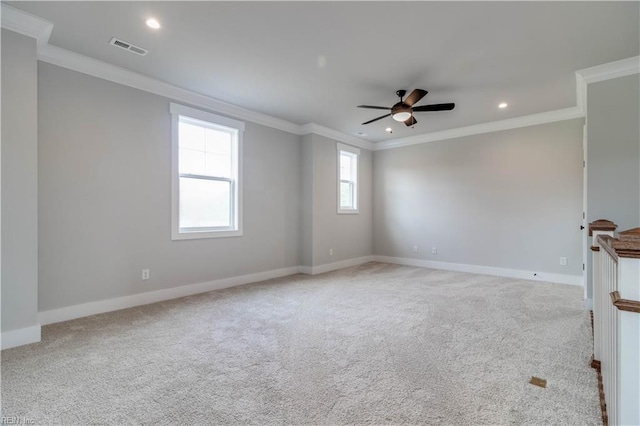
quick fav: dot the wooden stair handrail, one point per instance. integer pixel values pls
(626, 245)
(625, 304)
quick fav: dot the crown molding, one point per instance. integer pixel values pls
(584, 77)
(106, 71)
(336, 135)
(610, 70)
(493, 126)
(26, 24)
(96, 68)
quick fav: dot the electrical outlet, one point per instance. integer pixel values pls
(563, 261)
(330, 252)
(434, 250)
(145, 274)
(415, 249)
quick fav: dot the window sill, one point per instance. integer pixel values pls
(343, 211)
(198, 235)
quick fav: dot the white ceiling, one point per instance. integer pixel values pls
(316, 61)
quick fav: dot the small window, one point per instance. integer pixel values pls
(206, 186)
(348, 179)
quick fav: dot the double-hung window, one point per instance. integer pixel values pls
(206, 174)
(347, 179)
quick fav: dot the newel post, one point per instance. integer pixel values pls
(596, 228)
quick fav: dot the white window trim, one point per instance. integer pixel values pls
(178, 110)
(353, 150)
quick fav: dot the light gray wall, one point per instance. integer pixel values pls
(509, 199)
(613, 153)
(19, 182)
(495, 199)
(613, 172)
(307, 169)
(104, 211)
(349, 235)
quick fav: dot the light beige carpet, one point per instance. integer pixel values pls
(374, 344)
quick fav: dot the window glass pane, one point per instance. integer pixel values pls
(346, 194)
(204, 203)
(218, 142)
(218, 147)
(354, 168)
(217, 165)
(345, 166)
(191, 162)
(191, 136)
(205, 151)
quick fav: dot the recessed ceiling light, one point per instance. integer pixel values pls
(153, 23)
(503, 105)
(388, 129)
(361, 134)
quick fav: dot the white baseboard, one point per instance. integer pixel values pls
(92, 308)
(22, 336)
(328, 267)
(102, 306)
(307, 270)
(32, 334)
(588, 304)
(485, 270)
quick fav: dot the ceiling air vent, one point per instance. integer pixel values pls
(128, 46)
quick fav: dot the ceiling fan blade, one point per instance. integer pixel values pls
(415, 96)
(435, 107)
(376, 119)
(373, 107)
(410, 121)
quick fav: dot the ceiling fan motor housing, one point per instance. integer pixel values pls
(401, 111)
(400, 107)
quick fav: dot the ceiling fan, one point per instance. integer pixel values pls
(403, 110)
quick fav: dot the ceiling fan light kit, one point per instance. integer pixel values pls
(403, 110)
(401, 115)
